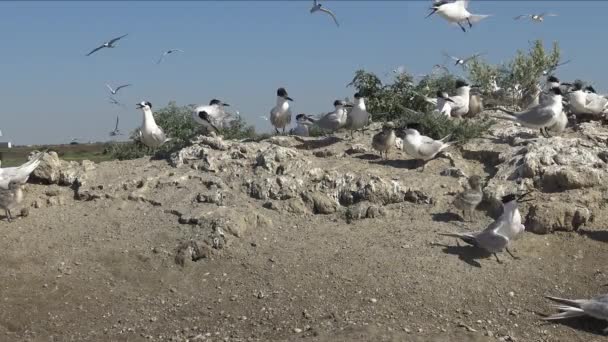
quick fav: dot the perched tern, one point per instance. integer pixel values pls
(108, 44)
(596, 307)
(213, 115)
(422, 147)
(116, 131)
(384, 140)
(456, 13)
(168, 52)
(19, 173)
(11, 197)
(335, 120)
(463, 62)
(498, 235)
(539, 18)
(149, 133)
(357, 117)
(460, 101)
(317, 7)
(280, 114)
(303, 123)
(469, 199)
(115, 91)
(541, 116)
(584, 100)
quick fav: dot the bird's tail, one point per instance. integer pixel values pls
(456, 235)
(32, 164)
(475, 18)
(567, 312)
(569, 302)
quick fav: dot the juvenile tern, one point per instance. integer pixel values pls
(108, 44)
(317, 7)
(385, 139)
(469, 199)
(303, 123)
(335, 120)
(498, 235)
(116, 131)
(463, 62)
(19, 173)
(168, 52)
(280, 114)
(456, 13)
(149, 133)
(115, 91)
(539, 18)
(421, 147)
(213, 115)
(541, 116)
(596, 307)
(11, 197)
(357, 117)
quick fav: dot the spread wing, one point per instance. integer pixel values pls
(521, 16)
(117, 39)
(122, 86)
(95, 50)
(116, 128)
(450, 56)
(474, 56)
(325, 10)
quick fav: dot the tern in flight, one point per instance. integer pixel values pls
(316, 6)
(463, 62)
(116, 131)
(108, 44)
(168, 52)
(539, 18)
(115, 91)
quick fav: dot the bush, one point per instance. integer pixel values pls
(177, 123)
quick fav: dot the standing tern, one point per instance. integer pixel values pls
(149, 133)
(116, 131)
(280, 114)
(303, 123)
(115, 91)
(498, 235)
(19, 173)
(442, 102)
(463, 62)
(460, 101)
(456, 13)
(335, 120)
(168, 52)
(213, 115)
(316, 7)
(358, 117)
(385, 139)
(421, 147)
(108, 44)
(539, 18)
(596, 307)
(541, 116)
(10, 197)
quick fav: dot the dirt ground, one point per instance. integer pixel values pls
(104, 269)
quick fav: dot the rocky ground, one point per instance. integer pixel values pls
(306, 239)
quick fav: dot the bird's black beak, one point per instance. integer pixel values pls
(450, 100)
(475, 86)
(348, 105)
(288, 98)
(522, 198)
(433, 10)
(226, 105)
(139, 106)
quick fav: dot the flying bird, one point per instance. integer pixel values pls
(168, 52)
(116, 131)
(463, 62)
(115, 91)
(316, 7)
(456, 13)
(108, 44)
(539, 18)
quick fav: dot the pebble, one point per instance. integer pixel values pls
(373, 300)
(297, 330)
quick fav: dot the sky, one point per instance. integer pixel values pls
(242, 51)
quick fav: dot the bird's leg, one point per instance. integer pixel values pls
(8, 215)
(469, 21)
(277, 130)
(283, 130)
(462, 27)
(511, 254)
(423, 165)
(498, 260)
(352, 136)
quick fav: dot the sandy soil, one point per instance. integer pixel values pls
(105, 270)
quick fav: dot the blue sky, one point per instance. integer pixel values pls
(240, 52)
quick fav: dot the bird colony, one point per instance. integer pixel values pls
(547, 113)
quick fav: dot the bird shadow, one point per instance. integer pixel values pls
(585, 323)
(318, 143)
(410, 164)
(468, 254)
(601, 235)
(369, 156)
(446, 217)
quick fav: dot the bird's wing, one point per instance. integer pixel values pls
(95, 50)
(117, 39)
(322, 9)
(521, 16)
(458, 102)
(430, 148)
(116, 128)
(122, 86)
(111, 90)
(474, 56)
(450, 56)
(548, 15)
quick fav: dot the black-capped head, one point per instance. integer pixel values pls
(300, 117)
(215, 102)
(552, 79)
(461, 83)
(203, 115)
(513, 197)
(281, 92)
(590, 89)
(578, 85)
(440, 94)
(413, 125)
(508, 198)
(556, 91)
(144, 104)
(358, 96)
